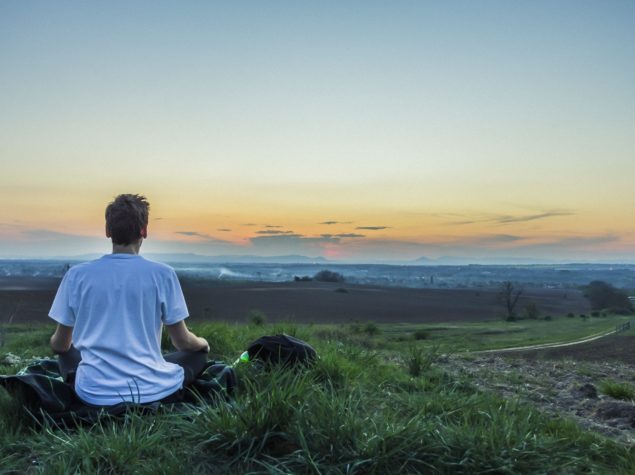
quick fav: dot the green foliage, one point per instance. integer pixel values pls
(368, 328)
(257, 318)
(354, 411)
(328, 276)
(604, 296)
(617, 390)
(419, 360)
(531, 311)
(421, 335)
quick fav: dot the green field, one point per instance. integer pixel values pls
(375, 402)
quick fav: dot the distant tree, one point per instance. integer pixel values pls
(328, 276)
(531, 311)
(604, 296)
(508, 295)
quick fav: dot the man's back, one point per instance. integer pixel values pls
(117, 305)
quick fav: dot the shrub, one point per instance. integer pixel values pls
(548, 318)
(570, 315)
(257, 318)
(584, 316)
(603, 295)
(531, 311)
(595, 314)
(421, 335)
(328, 276)
(370, 328)
(617, 390)
(419, 360)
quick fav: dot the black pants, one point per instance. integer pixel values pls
(192, 362)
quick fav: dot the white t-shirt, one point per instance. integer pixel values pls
(117, 305)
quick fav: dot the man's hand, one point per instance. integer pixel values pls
(185, 340)
(204, 344)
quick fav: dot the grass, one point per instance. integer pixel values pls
(497, 334)
(617, 390)
(370, 404)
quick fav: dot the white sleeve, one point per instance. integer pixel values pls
(173, 306)
(62, 310)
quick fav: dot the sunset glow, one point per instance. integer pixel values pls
(367, 131)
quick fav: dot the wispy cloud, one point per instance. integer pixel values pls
(489, 240)
(203, 236)
(224, 230)
(532, 217)
(273, 231)
(250, 224)
(272, 226)
(372, 228)
(579, 241)
(509, 219)
(335, 222)
(344, 235)
(292, 243)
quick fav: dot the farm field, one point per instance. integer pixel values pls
(381, 399)
(314, 302)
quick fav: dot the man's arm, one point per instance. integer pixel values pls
(62, 339)
(185, 340)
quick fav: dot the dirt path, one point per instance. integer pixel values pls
(544, 346)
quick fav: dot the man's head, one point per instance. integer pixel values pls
(127, 219)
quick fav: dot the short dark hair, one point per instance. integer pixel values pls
(126, 216)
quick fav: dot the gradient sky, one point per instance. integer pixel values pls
(350, 130)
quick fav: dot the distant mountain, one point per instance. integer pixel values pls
(443, 260)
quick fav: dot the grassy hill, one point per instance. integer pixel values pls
(375, 402)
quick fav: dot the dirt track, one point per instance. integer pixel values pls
(613, 347)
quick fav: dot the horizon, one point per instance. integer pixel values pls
(296, 259)
(358, 132)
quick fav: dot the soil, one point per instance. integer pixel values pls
(559, 387)
(313, 302)
(611, 348)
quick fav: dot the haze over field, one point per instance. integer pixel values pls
(356, 131)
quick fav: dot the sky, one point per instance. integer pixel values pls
(356, 131)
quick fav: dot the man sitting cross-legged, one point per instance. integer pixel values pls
(110, 314)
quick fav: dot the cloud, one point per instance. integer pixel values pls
(579, 241)
(343, 235)
(490, 239)
(509, 219)
(273, 231)
(24, 242)
(250, 224)
(203, 236)
(49, 235)
(272, 226)
(292, 243)
(372, 228)
(223, 230)
(335, 222)
(532, 217)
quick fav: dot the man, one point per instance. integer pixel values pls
(110, 313)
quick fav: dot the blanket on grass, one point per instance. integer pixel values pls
(46, 395)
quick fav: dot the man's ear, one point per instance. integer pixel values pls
(107, 231)
(144, 232)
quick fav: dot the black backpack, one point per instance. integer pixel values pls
(281, 349)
